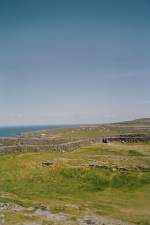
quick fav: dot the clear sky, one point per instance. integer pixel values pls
(74, 61)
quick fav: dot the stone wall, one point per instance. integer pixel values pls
(51, 147)
(128, 138)
(8, 145)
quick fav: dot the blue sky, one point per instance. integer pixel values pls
(72, 61)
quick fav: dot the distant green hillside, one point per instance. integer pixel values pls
(144, 121)
(140, 121)
(138, 126)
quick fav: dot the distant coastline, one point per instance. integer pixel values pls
(12, 131)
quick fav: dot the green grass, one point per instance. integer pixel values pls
(93, 131)
(121, 195)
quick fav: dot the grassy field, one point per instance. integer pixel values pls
(140, 126)
(69, 185)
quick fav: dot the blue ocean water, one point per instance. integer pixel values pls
(13, 130)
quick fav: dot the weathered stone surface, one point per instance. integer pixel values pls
(10, 206)
(44, 214)
(47, 163)
(59, 217)
(101, 220)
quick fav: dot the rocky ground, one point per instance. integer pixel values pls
(45, 216)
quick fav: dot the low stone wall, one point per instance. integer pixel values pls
(61, 147)
(127, 138)
(39, 145)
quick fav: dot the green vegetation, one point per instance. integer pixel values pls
(139, 126)
(70, 186)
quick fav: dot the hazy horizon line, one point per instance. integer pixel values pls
(71, 124)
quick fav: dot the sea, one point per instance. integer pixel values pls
(11, 131)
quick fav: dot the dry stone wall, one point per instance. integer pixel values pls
(8, 145)
(51, 146)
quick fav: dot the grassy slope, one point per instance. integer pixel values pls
(67, 187)
(140, 126)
